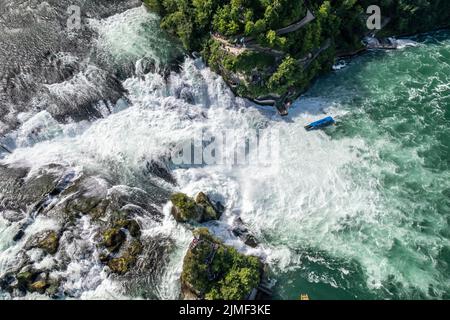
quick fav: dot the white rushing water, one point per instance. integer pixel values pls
(297, 198)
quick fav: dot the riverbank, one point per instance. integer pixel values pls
(274, 65)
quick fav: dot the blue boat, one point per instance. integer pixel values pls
(320, 124)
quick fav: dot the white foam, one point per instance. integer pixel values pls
(299, 198)
(126, 37)
(341, 64)
(405, 43)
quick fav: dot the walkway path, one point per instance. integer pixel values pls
(307, 61)
(249, 43)
(291, 28)
(296, 26)
(238, 49)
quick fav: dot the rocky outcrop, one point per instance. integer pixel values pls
(121, 245)
(214, 271)
(35, 281)
(242, 232)
(48, 241)
(113, 238)
(160, 170)
(127, 259)
(68, 218)
(194, 210)
(19, 192)
(210, 212)
(385, 43)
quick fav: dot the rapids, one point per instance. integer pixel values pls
(357, 211)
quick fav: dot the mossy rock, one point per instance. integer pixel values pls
(113, 238)
(50, 243)
(118, 265)
(24, 279)
(209, 212)
(187, 209)
(24, 276)
(39, 286)
(134, 249)
(99, 210)
(46, 240)
(223, 275)
(121, 250)
(122, 264)
(131, 225)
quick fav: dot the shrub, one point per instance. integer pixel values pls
(235, 275)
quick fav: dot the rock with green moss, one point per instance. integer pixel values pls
(113, 238)
(214, 271)
(118, 265)
(122, 243)
(50, 242)
(24, 279)
(131, 225)
(184, 208)
(46, 240)
(134, 249)
(208, 210)
(187, 209)
(121, 265)
(43, 283)
(38, 286)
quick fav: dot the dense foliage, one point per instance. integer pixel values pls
(413, 16)
(192, 20)
(228, 276)
(260, 72)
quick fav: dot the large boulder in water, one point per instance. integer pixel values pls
(242, 232)
(214, 271)
(47, 240)
(121, 245)
(20, 191)
(199, 209)
(210, 212)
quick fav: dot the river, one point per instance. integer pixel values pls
(358, 211)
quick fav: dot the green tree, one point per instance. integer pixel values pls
(286, 75)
